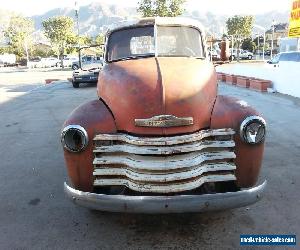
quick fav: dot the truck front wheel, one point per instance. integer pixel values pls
(75, 84)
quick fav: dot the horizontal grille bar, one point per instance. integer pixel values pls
(166, 176)
(164, 141)
(166, 150)
(164, 188)
(162, 163)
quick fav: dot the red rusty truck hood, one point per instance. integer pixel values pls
(145, 88)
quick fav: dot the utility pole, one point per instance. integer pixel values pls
(264, 45)
(76, 8)
(258, 37)
(264, 30)
(272, 45)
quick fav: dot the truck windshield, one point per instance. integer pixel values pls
(172, 41)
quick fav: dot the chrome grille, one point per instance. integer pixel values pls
(164, 164)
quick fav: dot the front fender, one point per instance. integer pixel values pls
(95, 118)
(229, 112)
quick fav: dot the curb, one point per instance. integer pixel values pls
(49, 81)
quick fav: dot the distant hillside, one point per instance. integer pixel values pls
(93, 18)
(217, 23)
(267, 18)
(96, 17)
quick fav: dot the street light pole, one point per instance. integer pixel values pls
(258, 45)
(76, 8)
(272, 45)
(232, 46)
(262, 28)
(264, 45)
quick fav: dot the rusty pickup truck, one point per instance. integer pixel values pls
(159, 139)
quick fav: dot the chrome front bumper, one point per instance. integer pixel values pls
(166, 204)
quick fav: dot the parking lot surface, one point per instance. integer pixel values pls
(35, 214)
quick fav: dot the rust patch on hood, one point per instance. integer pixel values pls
(144, 88)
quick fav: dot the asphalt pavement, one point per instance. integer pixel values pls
(35, 214)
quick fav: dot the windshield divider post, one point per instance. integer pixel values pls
(155, 39)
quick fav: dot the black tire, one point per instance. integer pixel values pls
(75, 85)
(250, 57)
(75, 67)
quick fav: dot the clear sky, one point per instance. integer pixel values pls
(227, 7)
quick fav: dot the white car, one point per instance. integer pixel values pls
(48, 62)
(67, 61)
(7, 59)
(89, 61)
(285, 58)
(244, 54)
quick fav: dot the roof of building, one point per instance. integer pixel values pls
(280, 27)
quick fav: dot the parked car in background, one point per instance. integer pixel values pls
(244, 54)
(159, 138)
(87, 60)
(275, 60)
(285, 57)
(38, 62)
(7, 60)
(34, 62)
(48, 62)
(85, 76)
(91, 65)
(67, 61)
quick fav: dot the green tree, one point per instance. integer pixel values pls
(60, 31)
(42, 51)
(4, 50)
(99, 39)
(248, 44)
(163, 8)
(240, 27)
(85, 40)
(19, 33)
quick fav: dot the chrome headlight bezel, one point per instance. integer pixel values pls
(249, 120)
(81, 132)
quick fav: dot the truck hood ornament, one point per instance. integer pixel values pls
(164, 121)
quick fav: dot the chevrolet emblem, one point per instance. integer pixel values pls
(164, 121)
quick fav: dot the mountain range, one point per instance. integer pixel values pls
(97, 17)
(93, 18)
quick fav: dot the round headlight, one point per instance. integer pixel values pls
(74, 138)
(253, 129)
